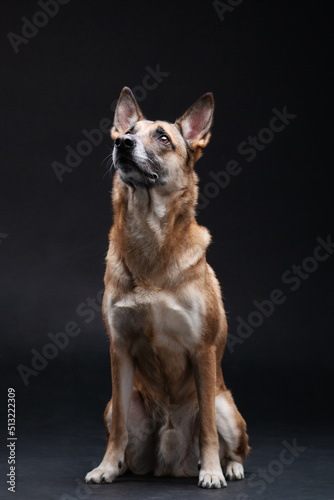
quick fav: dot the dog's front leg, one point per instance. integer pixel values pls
(204, 364)
(122, 373)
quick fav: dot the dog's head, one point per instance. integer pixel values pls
(158, 153)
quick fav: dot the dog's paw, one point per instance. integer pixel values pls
(102, 474)
(234, 470)
(208, 479)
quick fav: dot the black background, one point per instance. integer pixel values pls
(263, 55)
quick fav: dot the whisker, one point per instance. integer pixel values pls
(108, 161)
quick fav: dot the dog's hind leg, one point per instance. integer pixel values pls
(233, 439)
(139, 453)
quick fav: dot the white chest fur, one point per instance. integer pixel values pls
(171, 318)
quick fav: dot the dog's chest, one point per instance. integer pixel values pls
(163, 318)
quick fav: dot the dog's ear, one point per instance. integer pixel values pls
(127, 113)
(195, 124)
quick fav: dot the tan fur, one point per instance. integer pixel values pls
(164, 314)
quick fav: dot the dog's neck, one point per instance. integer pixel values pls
(155, 228)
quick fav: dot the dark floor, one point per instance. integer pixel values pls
(53, 460)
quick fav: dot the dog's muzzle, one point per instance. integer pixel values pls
(134, 166)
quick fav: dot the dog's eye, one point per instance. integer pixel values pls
(164, 139)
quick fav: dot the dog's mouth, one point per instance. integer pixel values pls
(133, 173)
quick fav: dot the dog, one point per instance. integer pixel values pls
(170, 412)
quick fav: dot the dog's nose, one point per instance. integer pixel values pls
(125, 141)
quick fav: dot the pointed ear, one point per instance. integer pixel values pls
(127, 113)
(195, 124)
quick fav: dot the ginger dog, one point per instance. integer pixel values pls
(170, 411)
